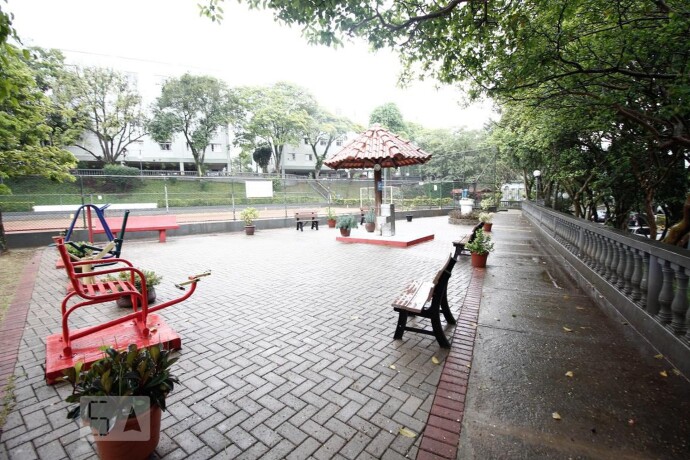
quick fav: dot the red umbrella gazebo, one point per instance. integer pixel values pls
(377, 148)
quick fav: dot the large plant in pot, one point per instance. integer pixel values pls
(480, 247)
(248, 215)
(345, 224)
(370, 220)
(144, 376)
(153, 279)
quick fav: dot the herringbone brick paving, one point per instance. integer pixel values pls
(287, 348)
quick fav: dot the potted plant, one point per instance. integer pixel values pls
(345, 224)
(248, 215)
(370, 220)
(123, 427)
(152, 279)
(486, 217)
(480, 248)
(330, 218)
(488, 204)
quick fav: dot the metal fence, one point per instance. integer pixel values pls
(38, 205)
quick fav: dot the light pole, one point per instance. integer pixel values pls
(537, 175)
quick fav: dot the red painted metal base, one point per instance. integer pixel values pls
(87, 349)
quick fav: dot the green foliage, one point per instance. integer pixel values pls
(152, 278)
(196, 107)
(346, 221)
(389, 116)
(262, 156)
(111, 106)
(481, 244)
(121, 179)
(276, 115)
(17, 206)
(485, 217)
(131, 372)
(330, 215)
(370, 216)
(248, 215)
(79, 249)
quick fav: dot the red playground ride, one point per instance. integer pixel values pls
(140, 326)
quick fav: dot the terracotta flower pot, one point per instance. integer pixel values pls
(345, 231)
(487, 226)
(126, 301)
(128, 449)
(370, 226)
(331, 223)
(249, 229)
(479, 260)
(409, 217)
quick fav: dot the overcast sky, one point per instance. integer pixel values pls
(162, 38)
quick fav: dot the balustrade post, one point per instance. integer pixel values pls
(666, 295)
(679, 307)
(629, 268)
(654, 281)
(607, 255)
(636, 277)
(613, 263)
(620, 268)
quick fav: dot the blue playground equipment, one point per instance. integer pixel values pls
(83, 249)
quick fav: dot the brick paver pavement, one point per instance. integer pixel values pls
(287, 348)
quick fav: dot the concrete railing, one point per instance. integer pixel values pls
(644, 280)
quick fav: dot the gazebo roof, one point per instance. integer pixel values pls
(377, 146)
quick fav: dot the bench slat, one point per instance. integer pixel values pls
(415, 296)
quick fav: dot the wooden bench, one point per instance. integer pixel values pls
(161, 223)
(307, 216)
(427, 299)
(460, 244)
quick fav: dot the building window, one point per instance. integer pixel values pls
(306, 141)
(293, 156)
(309, 157)
(322, 142)
(166, 145)
(339, 142)
(216, 147)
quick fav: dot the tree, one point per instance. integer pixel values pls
(262, 156)
(389, 116)
(276, 115)
(196, 107)
(325, 129)
(456, 155)
(111, 106)
(24, 136)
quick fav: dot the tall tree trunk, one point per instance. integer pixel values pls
(678, 234)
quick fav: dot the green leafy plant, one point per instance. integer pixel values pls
(370, 216)
(79, 248)
(485, 217)
(130, 372)
(481, 244)
(152, 278)
(487, 203)
(346, 222)
(248, 215)
(330, 215)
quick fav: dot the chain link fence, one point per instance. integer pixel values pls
(38, 204)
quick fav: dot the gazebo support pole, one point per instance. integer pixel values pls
(378, 191)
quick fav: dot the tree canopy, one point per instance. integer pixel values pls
(196, 107)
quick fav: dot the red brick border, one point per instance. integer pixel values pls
(12, 326)
(442, 433)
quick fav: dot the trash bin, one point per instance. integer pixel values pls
(388, 226)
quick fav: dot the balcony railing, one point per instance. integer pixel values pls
(644, 280)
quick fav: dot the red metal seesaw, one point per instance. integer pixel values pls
(63, 350)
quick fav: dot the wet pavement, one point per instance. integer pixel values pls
(288, 352)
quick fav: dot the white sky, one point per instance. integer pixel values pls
(156, 38)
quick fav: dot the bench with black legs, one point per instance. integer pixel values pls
(460, 244)
(428, 299)
(311, 217)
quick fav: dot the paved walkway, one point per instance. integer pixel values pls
(288, 353)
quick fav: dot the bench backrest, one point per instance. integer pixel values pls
(474, 231)
(306, 215)
(67, 262)
(441, 279)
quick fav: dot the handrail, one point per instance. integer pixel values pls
(645, 280)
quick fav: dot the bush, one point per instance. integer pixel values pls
(123, 179)
(17, 206)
